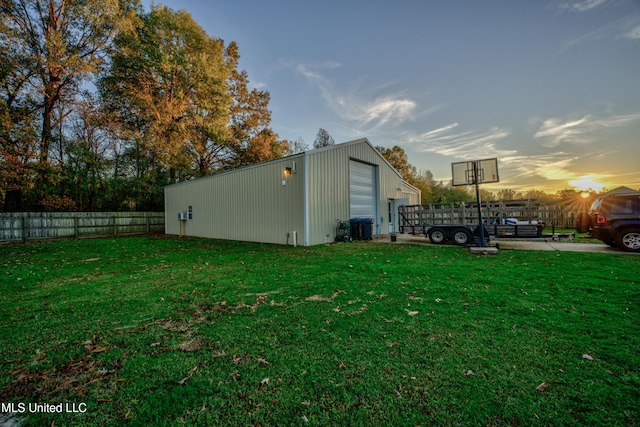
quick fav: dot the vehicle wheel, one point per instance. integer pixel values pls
(461, 236)
(437, 236)
(629, 239)
(582, 223)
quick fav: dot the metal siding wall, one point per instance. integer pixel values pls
(329, 188)
(411, 194)
(328, 174)
(249, 204)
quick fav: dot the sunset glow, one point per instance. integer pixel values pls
(586, 182)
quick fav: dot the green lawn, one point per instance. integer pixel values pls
(165, 331)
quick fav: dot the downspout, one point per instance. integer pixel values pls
(305, 191)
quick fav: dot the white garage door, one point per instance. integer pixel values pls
(362, 190)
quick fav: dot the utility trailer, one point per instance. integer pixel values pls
(465, 234)
(457, 226)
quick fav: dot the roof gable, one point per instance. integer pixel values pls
(620, 191)
(354, 142)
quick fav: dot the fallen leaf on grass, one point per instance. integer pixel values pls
(586, 356)
(184, 380)
(317, 298)
(155, 344)
(306, 403)
(264, 381)
(412, 313)
(191, 345)
(469, 373)
(342, 365)
(542, 387)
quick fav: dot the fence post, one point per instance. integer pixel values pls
(148, 225)
(75, 226)
(25, 228)
(115, 227)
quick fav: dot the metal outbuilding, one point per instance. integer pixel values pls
(293, 200)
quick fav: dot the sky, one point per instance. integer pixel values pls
(549, 87)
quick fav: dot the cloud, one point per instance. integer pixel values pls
(554, 132)
(550, 166)
(371, 112)
(626, 28)
(466, 145)
(581, 5)
(633, 33)
(583, 130)
(386, 109)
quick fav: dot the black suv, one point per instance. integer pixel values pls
(614, 219)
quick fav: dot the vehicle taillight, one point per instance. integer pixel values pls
(600, 220)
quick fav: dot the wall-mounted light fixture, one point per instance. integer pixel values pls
(287, 171)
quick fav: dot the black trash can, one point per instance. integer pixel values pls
(367, 228)
(354, 224)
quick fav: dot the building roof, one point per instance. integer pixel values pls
(297, 155)
(621, 191)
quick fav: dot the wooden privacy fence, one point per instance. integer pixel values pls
(418, 216)
(23, 226)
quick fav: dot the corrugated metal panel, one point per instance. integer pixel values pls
(328, 194)
(258, 204)
(412, 193)
(328, 178)
(251, 204)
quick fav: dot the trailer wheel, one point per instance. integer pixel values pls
(437, 236)
(461, 236)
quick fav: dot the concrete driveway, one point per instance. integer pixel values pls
(560, 246)
(529, 245)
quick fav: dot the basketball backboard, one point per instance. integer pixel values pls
(463, 172)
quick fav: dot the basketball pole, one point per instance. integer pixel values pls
(481, 225)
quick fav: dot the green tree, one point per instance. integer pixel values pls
(542, 197)
(506, 194)
(168, 83)
(167, 90)
(423, 181)
(251, 140)
(56, 45)
(397, 157)
(87, 162)
(297, 146)
(50, 47)
(323, 139)
(18, 135)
